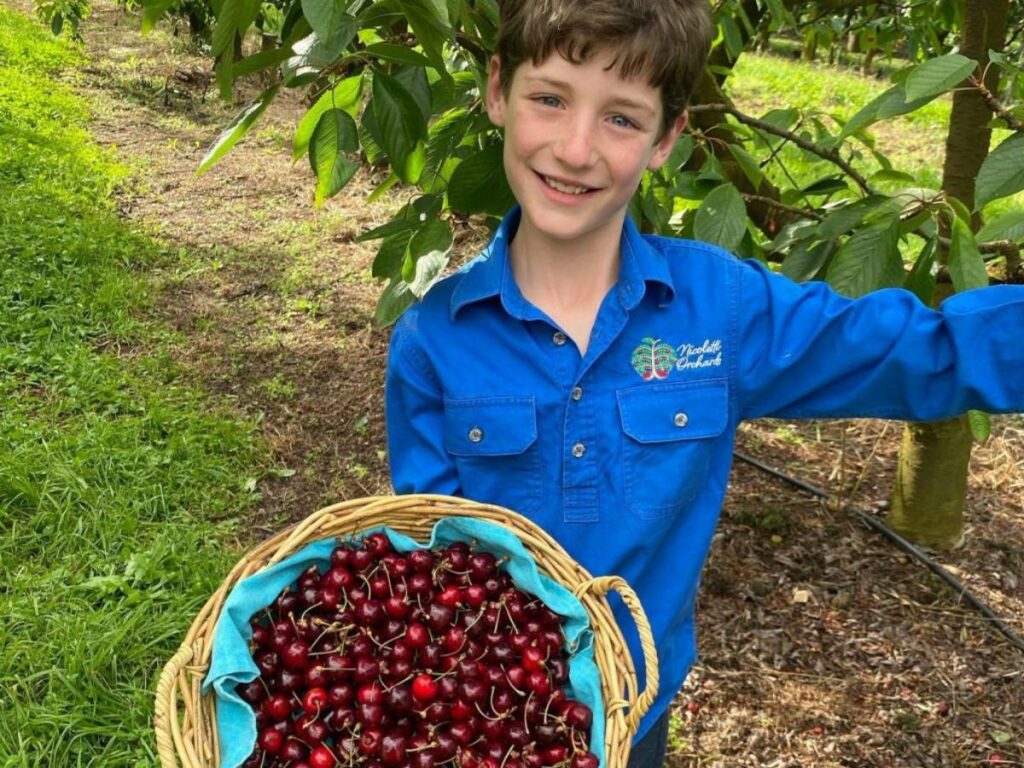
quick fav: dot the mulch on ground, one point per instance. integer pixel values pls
(821, 644)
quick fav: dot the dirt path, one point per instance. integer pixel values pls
(821, 645)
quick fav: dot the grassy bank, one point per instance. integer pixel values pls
(119, 485)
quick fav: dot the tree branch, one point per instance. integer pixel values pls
(996, 106)
(772, 203)
(831, 155)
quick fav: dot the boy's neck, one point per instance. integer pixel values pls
(566, 280)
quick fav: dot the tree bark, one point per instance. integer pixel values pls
(931, 481)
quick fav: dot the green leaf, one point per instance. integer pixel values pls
(429, 250)
(334, 137)
(1009, 226)
(415, 81)
(238, 128)
(345, 95)
(842, 220)
(429, 21)
(399, 54)
(936, 76)
(235, 17)
(891, 175)
(826, 185)
(889, 104)
(722, 217)
(391, 254)
(261, 60)
(152, 12)
(1001, 737)
(408, 219)
(395, 299)
(1002, 60)
(921, 280)
(330, 21)
(401, 125)
(478, 184)
(868, 260)
(732, 35)
(445, 135)
(965, 265)
(748, 163)
(981, 430)
(806, 259)
(1002, 173)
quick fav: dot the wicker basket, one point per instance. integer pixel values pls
(185, 720)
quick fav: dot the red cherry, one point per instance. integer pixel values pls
(378, 543)
(424, 688)
(314, 700)
(322, 757)
(296, 656)
(533, 659)
(271, 741)
(450, 596)
(584, 760)
(417, 635)
(578, 715)
(277, 707)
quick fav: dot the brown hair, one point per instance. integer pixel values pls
(666, 39)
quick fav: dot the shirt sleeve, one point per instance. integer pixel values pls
(806, 351)
(414, 412)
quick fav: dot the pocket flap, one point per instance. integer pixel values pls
(659, 413)
(489, 426)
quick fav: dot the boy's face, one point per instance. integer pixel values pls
(578, 138)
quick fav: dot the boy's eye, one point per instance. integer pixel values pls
(548, 101)
(623, 122)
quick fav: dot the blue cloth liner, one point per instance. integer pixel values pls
(232, 663)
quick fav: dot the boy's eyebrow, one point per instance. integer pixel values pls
(622, 101)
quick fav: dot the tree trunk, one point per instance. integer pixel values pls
(931, 481)
(810, 49)
(867, 61)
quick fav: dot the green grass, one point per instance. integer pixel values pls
(120, 486)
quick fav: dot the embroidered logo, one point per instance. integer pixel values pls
(653, 359)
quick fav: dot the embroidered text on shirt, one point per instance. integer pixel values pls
(706, 355)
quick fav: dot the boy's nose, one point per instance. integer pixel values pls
(575, 145)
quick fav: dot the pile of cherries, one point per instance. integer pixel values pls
(420, 660)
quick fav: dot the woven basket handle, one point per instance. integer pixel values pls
(601, 586)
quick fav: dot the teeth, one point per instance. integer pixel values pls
(564, 187)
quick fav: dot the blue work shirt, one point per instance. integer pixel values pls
(623, 454)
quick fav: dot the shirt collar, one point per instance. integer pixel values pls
(491, 273)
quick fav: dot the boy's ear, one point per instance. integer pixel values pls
(663, 147)
(495, 94)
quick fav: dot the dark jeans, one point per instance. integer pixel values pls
(650, 751)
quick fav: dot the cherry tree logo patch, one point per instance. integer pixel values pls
(653, 359)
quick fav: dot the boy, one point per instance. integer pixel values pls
(592, 378)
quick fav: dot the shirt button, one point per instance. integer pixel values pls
(558, 338)
(577, 393)
(681, 419)
(476, 435)
(578, 450)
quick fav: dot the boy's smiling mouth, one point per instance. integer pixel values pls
(565, 187)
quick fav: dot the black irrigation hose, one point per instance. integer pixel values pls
(901, 542)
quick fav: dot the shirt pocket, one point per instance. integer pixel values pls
(493, 441)
(669, 432)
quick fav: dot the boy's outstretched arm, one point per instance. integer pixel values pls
(806, 351)
(414, 411)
